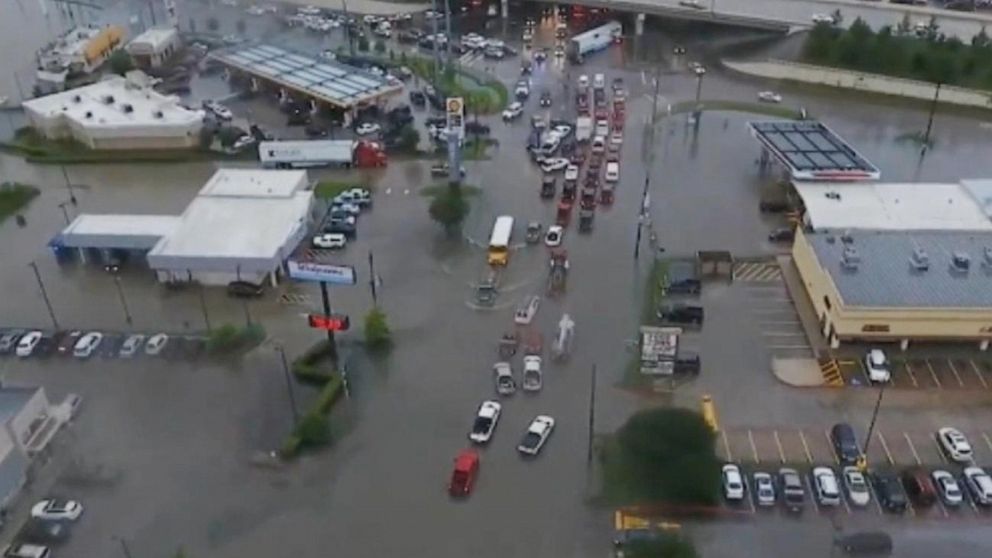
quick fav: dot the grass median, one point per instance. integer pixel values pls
(13, 197)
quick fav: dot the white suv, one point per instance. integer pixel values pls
(825, 484)
(733, 483)
(979, 484)
(954, 445)
(878, 366)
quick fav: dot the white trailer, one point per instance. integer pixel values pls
(583, 128)
(594, 39)
(659, 347)
(307, 153)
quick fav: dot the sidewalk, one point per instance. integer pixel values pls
(861, 81)
(363, 7)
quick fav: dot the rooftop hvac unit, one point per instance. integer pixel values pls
(920, 259)
(128, 109)
(89, 114)
(108, 100)
(77, 99)
(960, 262)
(158, 114)
(850, 258)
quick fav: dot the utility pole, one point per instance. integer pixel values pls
(434, 42)
(65, 213)
(447, 30)
(372, 280)
(592, 414)
(326, 299)
(347, 29)
(68, 186)
(874, 417)
(289, 384)
(44, 295)
(244, 300)
(203, 304)
(933, 109)
(648, 164)
(120, 294)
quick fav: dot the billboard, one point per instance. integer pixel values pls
(455, 109)
(327, 273)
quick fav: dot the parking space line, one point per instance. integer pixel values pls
(726, 446)
(812, 492)
(988, 442)
(932, 373)
(830, 443)
(864, 372)
(843, 498)
(943, 509)
(912, 377)
(754, 449)
(778, 443)
(809, 456)
(912, 448)
(950, 363)
(940, 452)
(885, 448)
(981, 377)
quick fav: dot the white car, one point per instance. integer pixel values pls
(366, 128)
(769, 97)
(537, 434)
(156, 343)
(583, 81)
(554, 164)
(87, 344)
(131, 345)
(57, 510)
(525, 313)
(513, 111)
(612, 171)
(219, 110)
(485, 422)
(329, 241)
(878, 366)
(27, 344)
(572, 172)
(352, 209)
(947, 488)
(26, 550)
(602, 128)
(616, 138)
(598, 144)
(954, 445)
(562, 130)
(856, 486)
(764, 489)
(243, 142)
(533, 378)
(599, 81)
(823, 18)
(522, 91)
(505, 384)
(733, 483)
(825, 486)
(554, 236)
(979, 484)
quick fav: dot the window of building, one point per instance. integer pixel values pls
(875, 328)
(826, 302)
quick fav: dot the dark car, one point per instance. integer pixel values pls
(526, 69)
(477, 128)
(684, 287)
(67, 341)
(781, 235)
(548, 187)
(344, 227)
(46, 346)
(418, 98)
(568, 191)
(889, 491)
(37, 531)
(918, 485)
(298, 118)
(687, 363)
(9, 339)
(244, 289)
(314, 130)
(110, 347)
(845, 443)
(545, 99)
(681, 314)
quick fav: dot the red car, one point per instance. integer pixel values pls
(466, 470)
(564, 214)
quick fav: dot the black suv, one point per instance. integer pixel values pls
(684, 287)
(845, 443)
(244, 289)
(890, 493)
(681, 314)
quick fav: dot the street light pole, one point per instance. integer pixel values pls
(289, 384)
(44, 295)
(68, 186)
(592, 414)
(120, 293)
(65, 213)
(933, 109)
(203, 306)
(648, 164)
(874, 417)
(124, 548)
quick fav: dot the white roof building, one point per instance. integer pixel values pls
(116, 113)
(832, 206)
(243, 224)
(155, 46)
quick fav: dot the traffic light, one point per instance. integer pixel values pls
(334, 322)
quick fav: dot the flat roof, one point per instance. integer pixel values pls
(327, 80)
(811, 151)
(885, 275)
(254, 183)
(118, 231)
(13, 399)
(115, 104)
(891, 206)
(155, 37)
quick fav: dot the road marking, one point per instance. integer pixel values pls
(864, 372)
(812, 492)
(754, 449)
(726, 445)
(912, 376)
(932, 373)
(874, 498)
(912, 448)
(830, 444)
(778, 442)
(981, 378)
(988, 442)
(954, 369)
(943, 509)
(809, 456)
(885, 448)
(940, 451)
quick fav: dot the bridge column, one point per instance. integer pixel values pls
(254, 84)
(313, 106)
(639, 24)
(505, 8)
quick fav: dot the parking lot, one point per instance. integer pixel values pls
(958, 373)
(771, 309)
(768, 449)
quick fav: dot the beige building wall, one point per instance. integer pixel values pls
(840, 322)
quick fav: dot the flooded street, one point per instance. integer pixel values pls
(380, 489)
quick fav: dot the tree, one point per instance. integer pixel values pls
(240, 26)
(377, 334)
(905, 25)
(819, 43)
(314, 430)
(379, 47)
(120, 62)
(363, 44)
(212, 24)
(981, 39)
(449, 208)
(662, 546)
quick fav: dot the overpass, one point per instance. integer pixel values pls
(792, 15)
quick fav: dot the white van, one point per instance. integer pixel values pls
(551, 142)
(612, 172)
(599, 81)
(583, 81)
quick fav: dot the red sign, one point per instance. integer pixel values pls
(334, 322)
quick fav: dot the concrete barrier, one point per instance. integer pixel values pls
(863, 81)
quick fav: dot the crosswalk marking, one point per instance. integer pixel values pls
(757, 272)
(295, 299)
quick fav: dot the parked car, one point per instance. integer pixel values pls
(845, 443)
(554, 164)
(889, 491)
(26, 550)
(156, 343)
(856, 486)
(791, 487)
(612, 172)
(681, 314)
(218, 110)
(57, 510)
(825, 486)
(87, 344)
(505, 384)
(878, 366)
(27, 343)
(919, 487)
(513, 111)
(9, 339)
(979, 485)
(684, 287)
(769, 97)
(417, 98)
(764, 489)
(244, 289)
(464, 474)
(733, 483)
(367, 128)
(537, 435)
(947, 487)
(329, 241)
(485, 422)
(954, 444)
(782, 234)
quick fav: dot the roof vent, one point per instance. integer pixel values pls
(158, 114)
(960, 262)
(108, 100)
(850, 259)
(128, 109)
(832, 195)
(77, 99)
(920, 259)
(89, 114)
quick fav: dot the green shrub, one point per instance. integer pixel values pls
(449, 208)
(377, 334)
(121, 62)
(311, 367)
(14, 196)
(363, 44)
(313, 430)
(229, 338)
